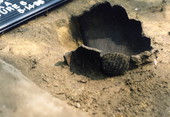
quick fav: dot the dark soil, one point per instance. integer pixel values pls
(109, 29)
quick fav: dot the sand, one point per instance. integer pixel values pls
(37, 48)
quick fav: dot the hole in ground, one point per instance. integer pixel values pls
(109, 29)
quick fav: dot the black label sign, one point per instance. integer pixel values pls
(21, 6)
(13, 12)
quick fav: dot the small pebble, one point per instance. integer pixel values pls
(82, 81)
(46, 79)
(78, 105)
(137, 9)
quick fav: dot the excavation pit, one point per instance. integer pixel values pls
(108, 29)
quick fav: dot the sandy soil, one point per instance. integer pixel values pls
(21, 97)
(37, 48)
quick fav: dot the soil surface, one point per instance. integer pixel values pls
(37, 48)
(21, 97)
